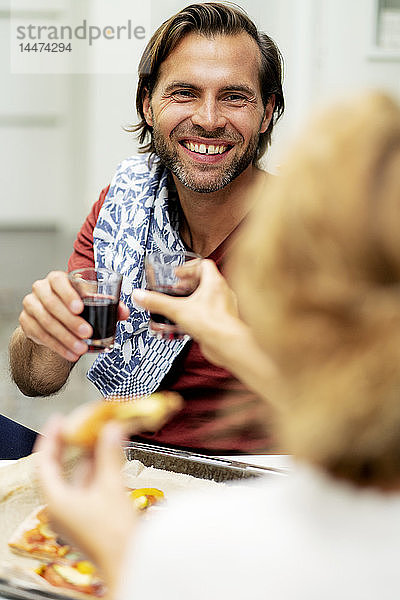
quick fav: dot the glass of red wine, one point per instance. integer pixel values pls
(175, 274)
(99, 290)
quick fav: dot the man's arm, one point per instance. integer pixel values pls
(50, 339)
(49, 342)
(37, 370)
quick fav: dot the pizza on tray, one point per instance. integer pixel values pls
(35, 538)
(63, 565)
(80, 576)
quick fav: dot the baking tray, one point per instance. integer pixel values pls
(10, 590)
(197, 465)
(159, 457)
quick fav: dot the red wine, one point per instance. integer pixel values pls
(101, 312)
(176, 292)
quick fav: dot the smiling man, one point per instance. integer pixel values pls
(206, 111)
(209, 94)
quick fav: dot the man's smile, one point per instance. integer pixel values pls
(205, 151)
(205, 147)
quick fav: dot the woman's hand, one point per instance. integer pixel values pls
(92, 510)
(208, 315)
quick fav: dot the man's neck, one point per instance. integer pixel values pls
(208, 218)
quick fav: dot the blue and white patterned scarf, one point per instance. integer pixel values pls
(137, 217)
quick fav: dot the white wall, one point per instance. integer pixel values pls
(329, 51)
(52, 171)
(34, 111)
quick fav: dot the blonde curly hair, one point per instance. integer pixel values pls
(318, 280)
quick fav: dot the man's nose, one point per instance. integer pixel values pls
(208, 114)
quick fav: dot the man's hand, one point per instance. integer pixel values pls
(92, 510)
(50, 316)
(50, 340)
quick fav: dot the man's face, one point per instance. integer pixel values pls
(206, 110)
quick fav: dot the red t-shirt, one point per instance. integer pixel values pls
(219, 415)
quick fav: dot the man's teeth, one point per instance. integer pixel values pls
(203, 149)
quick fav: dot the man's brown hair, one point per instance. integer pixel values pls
(208, 19)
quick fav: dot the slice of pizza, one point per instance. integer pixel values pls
(35, 538)
(80, 577)
(66, 567)
(148, 413)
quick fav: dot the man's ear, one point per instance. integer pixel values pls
(147, 108)
(268, 112)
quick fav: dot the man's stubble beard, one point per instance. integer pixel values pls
(169, 156)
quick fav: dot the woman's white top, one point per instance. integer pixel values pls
(301, 537)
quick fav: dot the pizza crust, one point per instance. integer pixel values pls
(148, 413)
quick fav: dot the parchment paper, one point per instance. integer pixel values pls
(20, 495)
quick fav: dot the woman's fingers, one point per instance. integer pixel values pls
(123, 312)
(50, 448)
(209, 270)
(109, 456)
(210, 281)
(157, 302)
